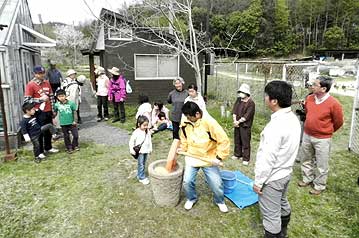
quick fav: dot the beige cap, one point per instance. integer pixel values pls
(114, 71)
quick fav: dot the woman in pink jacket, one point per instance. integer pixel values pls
(117, 94)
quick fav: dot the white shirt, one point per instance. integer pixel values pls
(199, 101)
(145, 109)
(102, 85)
(320, 100)
(278, 147)
(139, 136)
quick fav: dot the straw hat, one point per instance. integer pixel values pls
(114, 71)
(244, 88)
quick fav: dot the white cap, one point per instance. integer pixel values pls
(244, 88)
(81, 78)
(69, 72)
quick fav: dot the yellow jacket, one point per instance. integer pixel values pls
(204, 139)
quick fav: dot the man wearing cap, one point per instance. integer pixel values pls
(243, 114)
(102, 83)
(54, 76)
(39, 92)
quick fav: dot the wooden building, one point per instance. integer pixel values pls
(149, 68)
(19, 53)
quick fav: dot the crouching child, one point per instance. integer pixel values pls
(68, 121)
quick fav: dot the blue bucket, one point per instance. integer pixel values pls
(229, 180)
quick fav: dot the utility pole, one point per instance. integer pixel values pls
(42, 24)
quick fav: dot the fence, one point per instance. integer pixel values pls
(354, 132)
(227, 78)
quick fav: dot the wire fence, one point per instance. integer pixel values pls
(354, 132)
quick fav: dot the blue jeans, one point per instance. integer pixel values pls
(213, 179)
(141, 165)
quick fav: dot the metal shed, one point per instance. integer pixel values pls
(19, 52)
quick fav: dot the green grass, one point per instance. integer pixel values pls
(94, 193)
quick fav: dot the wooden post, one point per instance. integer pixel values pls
(92, 70)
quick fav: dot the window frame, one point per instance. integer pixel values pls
(157, 71)
(117, 38)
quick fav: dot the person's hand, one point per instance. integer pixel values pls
(217, 162)
(109, 98)
(257, 190)
(54, 114)
(74, 124)
(179, 150)
(44, 98)
(27, 138)
(121, 100)
(236, 123)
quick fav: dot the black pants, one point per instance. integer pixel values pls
(45, 136)
(242, 142)
(36, 146)
(116, 113)
(102, 103)
(70, 145)
(78, 113)
(55, 86)
(175, 132)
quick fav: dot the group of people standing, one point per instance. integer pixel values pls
(48, 96)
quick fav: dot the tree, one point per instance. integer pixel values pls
(333, 38)
(70, 40)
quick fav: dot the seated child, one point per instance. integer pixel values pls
(162, 123)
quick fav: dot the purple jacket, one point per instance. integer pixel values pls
(117, 89)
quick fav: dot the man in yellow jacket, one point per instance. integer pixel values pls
(205, 145)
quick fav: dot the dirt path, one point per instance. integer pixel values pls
(98, 132)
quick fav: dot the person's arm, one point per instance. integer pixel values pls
(169, 98)
(249, 113)
(221, 138)
(28, 97)
(24, 131)
(183, 138)
(337, 116)
(132, 142)
(266, 155)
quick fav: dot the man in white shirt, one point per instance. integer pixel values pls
(275, 157)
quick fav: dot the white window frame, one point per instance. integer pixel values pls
(157, 78)
(121, 38)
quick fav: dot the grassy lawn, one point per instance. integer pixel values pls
(94, 193)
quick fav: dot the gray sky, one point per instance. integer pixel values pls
(69, 11)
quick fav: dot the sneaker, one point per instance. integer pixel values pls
(315, 192)
(144, 181)
(99, 119)
(303, 184)
(77, 148)
(41, 156)
(106, 118)
(235, 157)
(245, 163)
(52, 150)
(222, 207)
(55, 137)
(70, 151)
(189, 204)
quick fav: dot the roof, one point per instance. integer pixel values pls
(8, 9)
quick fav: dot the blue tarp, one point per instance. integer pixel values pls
(242, 195)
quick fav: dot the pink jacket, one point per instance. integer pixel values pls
(117, 89)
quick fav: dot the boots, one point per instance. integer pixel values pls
(267, 234)
(285, 222)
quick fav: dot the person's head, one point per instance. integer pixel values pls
(178, 83)
(52, 64)
(28, 108)
(244, 91)
(81, 79)
(114, 72)
(322, 85)
(158, 105)
(192, 111)
(192, 90)
(278, 94)
(71, 73)
(61, 95)
(162, 116)
(39, 72)
(142, 123)
(143, 99)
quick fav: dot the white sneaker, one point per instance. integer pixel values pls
(222, 207)
(189, 204)
(234, 157)
(106, 118)
(245, 163)
(42, 156)
(52, 150)
(144, 181)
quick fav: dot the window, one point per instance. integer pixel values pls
(123, 34)
(149, 67)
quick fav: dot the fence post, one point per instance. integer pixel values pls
(355, 116)
(284, 72)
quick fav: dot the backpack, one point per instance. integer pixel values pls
(128, 87)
